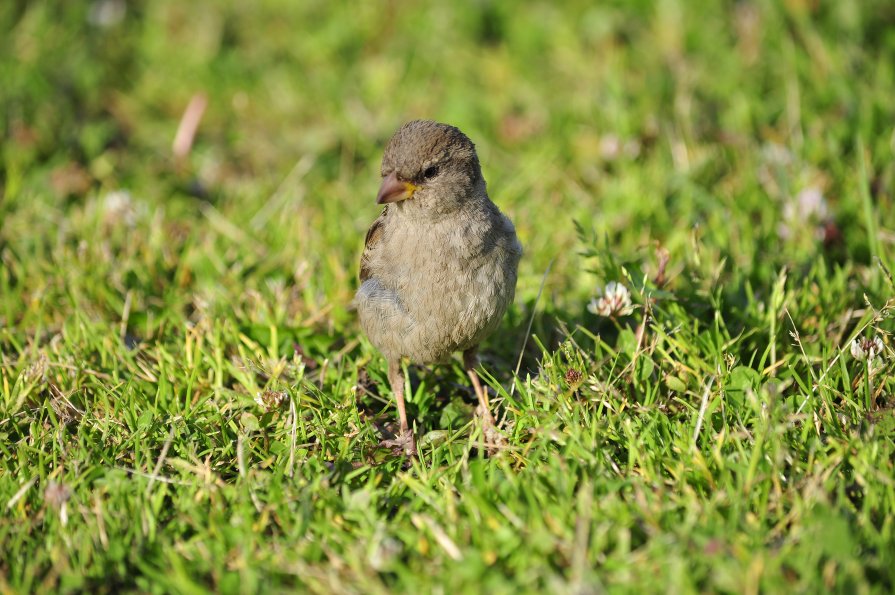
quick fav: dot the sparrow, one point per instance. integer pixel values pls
(439, 264)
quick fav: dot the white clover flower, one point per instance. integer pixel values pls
(866, 349)
(807, 208)
(612, 147)
(811, 203)
(107, 13)
(615, 301)
(120, 207)
(271, 399)
(777, 155)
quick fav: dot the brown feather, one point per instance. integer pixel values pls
(374, 234)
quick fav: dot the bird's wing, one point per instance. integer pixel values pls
(374, 234)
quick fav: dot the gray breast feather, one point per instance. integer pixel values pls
(429, 295)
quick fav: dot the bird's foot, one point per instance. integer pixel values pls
(495, 441)
(493, 438)
(402, 443)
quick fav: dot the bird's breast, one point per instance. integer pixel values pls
(454, 282)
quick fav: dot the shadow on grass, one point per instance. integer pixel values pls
(441, 396)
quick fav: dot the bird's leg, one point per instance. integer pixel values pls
(470, 362)
(405, 438)
(396, 379)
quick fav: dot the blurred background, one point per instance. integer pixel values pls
(646, 122)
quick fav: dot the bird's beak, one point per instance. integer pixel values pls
(393, 190)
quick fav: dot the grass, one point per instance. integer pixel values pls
(186, 401)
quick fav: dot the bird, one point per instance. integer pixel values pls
(439, 264)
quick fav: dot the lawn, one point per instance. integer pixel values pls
(187, 403)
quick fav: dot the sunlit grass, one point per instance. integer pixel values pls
(186, 401)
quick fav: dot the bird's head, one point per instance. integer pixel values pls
(431, 167)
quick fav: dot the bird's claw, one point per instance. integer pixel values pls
(494, 440)
(403, 442)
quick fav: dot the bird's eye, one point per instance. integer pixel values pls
(430, 172)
